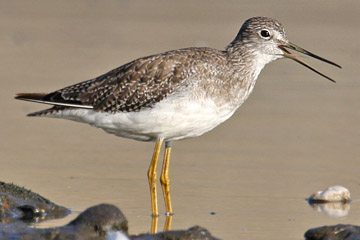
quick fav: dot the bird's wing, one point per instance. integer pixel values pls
(130, 87)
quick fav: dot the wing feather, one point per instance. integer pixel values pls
(130, 87)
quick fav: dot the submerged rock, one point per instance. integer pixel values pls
(19, 206)
(336, 232)
(18, 203)
(194, 233)
(101, 219)
(92, 224)
(331, 194)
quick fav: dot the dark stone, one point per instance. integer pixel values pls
(101, 218)
(92, 224)
(336, 232)
(18, 203)
(19, 206)
(195, 232)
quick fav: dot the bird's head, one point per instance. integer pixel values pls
(266, 38)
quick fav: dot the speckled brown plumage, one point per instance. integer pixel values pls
(138, 84)
(148, 80)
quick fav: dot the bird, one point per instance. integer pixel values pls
(174, 95)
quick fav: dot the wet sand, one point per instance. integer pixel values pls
(296, 134)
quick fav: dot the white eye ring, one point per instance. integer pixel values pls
(265, 34)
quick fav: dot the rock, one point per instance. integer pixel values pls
(19, 206)
(17, 203)
(336, 232)
(92, 224)
(331, 194)
(101, 218)
(117, 235)
(194, 233)
(100, 222)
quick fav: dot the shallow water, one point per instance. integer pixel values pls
(297, 133)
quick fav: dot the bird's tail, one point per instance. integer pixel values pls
(38, 98)
(46, 99)
(32, 97)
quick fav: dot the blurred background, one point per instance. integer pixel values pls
(296, 134)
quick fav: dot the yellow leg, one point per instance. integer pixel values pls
(152, 176)
(168, 222)
(165, 180)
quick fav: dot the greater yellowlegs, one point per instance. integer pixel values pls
(173, 95)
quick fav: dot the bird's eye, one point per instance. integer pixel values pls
(265, 34)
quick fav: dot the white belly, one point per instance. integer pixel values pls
(169, 119)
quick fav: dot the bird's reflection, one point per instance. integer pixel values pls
(155, 220)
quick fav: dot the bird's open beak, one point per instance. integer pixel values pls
(301, 50)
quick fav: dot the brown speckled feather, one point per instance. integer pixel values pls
(132, 86)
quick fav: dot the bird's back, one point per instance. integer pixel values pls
(140, 83)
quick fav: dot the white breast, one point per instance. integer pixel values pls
(173, 118)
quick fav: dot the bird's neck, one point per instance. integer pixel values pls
(246, 64)
(247, 58)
